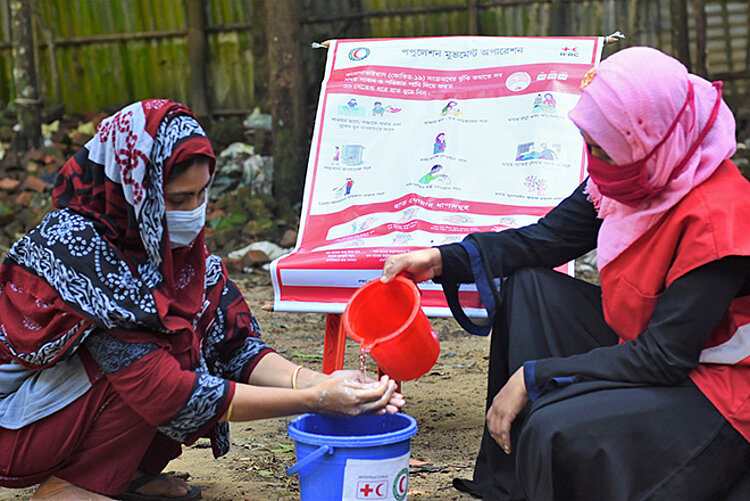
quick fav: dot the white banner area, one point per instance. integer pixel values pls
(420, 141)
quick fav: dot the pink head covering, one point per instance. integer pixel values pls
(627, 108)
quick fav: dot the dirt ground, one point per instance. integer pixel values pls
(448, 404)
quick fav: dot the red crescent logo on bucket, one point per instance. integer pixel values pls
(401, 485)
(359, 53)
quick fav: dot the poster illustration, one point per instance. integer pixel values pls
(420, 141)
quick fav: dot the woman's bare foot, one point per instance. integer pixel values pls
(57, 489)
(163, 485)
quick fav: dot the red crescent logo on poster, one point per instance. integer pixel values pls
(359, 53)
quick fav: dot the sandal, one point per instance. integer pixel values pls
(132, 495)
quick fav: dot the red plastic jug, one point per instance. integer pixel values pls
(388, 321)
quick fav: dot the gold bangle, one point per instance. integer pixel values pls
(294, 376)
(229, 411)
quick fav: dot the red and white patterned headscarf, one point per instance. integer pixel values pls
(104, 260)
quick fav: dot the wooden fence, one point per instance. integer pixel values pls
(94, 54)
(102, 54)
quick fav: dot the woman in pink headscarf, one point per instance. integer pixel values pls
(640, 388)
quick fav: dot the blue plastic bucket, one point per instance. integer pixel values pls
(352, 458)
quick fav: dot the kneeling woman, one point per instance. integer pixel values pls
(121, 337)
(638, 389)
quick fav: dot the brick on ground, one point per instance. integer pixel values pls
(24, 198)
(254, 258)
(33, 183)
(7, 184)
(288, 239)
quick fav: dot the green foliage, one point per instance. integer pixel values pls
(247, 218)
(228, 222)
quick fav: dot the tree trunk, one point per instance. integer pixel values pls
(197, 55)
(286, 99)
(28, 104)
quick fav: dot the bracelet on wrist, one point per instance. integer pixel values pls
(295, 374)
(229, 411)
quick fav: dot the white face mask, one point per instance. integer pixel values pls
(184, 225)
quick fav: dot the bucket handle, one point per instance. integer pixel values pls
(323, 449)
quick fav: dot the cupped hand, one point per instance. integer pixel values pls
(507, 404)
(395, 404)
(420, 265)
(351, 393)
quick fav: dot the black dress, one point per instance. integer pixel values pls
(607, 421)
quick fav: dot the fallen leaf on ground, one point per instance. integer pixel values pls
(297, 354)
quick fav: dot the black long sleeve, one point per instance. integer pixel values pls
(684, 316)
(566, 232)
(664, 354)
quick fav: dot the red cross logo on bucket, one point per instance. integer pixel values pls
(372, 490)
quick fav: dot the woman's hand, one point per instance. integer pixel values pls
(420, 265)
(509, 401)
(350, 393)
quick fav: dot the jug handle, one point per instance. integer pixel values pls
(323, 449)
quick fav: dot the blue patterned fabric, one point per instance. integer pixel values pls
(113, 354)
(208, 395)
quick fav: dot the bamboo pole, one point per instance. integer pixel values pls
(110, 38)
(54, 70)
(728, 44)
(680, 34)
(701, 62)
(474, 22)
(518, 21)
(197, 55)
(557, 24)
(609, 19)
(35, 45)
(387, 13)
(260, 54)
(637, 22)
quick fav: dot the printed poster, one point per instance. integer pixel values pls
(420, 141)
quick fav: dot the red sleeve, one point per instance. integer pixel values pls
(157, 388)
